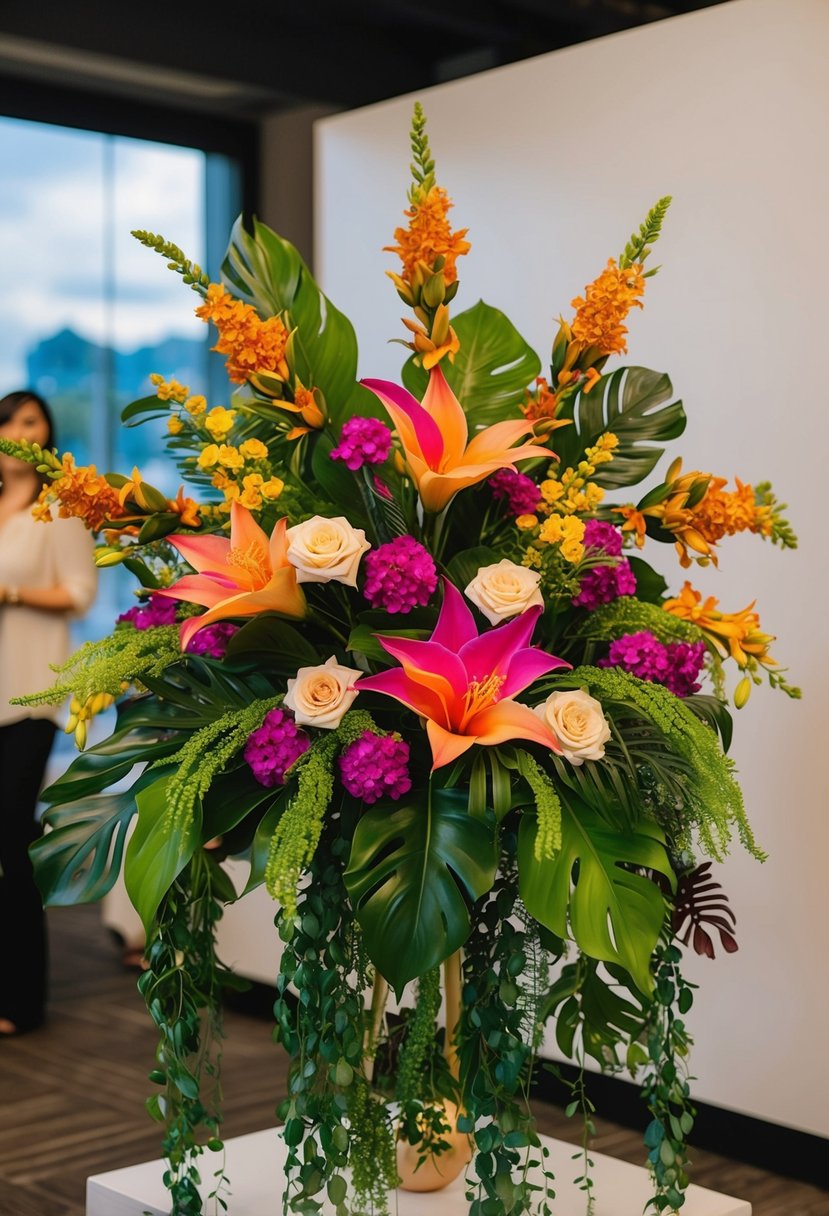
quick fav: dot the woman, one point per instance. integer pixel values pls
(47, 575)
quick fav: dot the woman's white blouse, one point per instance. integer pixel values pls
(39, 555)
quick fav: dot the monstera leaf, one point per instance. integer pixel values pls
(630, 404)
(266, 271)
(491, 370)
(413, 871)
(158, 850)
(79, 859)
(99, 767)
(585, 891)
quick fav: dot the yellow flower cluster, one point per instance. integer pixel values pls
(567, 532)
(252, 488)
(169, 390)
(572, 492)
(606, 303)
(252, 346)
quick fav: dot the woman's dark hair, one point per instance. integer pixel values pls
(11, 403)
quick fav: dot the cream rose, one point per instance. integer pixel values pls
(578, 722)
(326, 550)
(319, 696)
(504, 590)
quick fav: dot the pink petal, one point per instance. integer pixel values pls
(456, 624)
(426, 430)
(429, 663)
(526, 667)
(491, 653)
(414, 696)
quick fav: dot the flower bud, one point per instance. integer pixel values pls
(742, 692)
(434, 291)
(107, 556)
(440, 325)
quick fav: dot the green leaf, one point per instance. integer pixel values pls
(491, 370)
(585, 892)
(157, 852)
(336, 481)
(143, 409)
(365, 640)
(465, 565)
(158, 526)
(233, 795)
(262, 839)
(79, 859)
(99, 767)
(268, 272)
(629, 402)
(268, 640)
(413, 871)
(650, 585)
(714, 713)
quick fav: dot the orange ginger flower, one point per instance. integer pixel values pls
(723, 513)
(541, 402)
(737, 634)
(607, 301)
(634, 521)
(81, 492)
(252, 345)
(186, 508)
(429, 236)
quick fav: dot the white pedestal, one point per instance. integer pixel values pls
(254, 1166)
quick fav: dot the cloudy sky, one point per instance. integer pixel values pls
(68, 200)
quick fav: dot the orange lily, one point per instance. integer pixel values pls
(463, 684)
(242, 576)
(435, 438)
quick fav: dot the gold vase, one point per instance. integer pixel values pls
(438, 1170)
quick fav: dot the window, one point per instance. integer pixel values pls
(87, 313)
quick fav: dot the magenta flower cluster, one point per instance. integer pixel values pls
(271, 750)
(400, 575)
(212, 640)
(521, 493)
(376, 766)
(603, 536)
(158, 610)
(363, 441)
(601, 584)
(677, 665)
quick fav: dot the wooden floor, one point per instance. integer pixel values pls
(72, 1093)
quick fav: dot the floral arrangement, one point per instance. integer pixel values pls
(402, 653)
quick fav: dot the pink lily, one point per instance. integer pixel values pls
(241, 576)
(463, 683)
(435, 438)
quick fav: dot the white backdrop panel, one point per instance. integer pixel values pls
(551, 163)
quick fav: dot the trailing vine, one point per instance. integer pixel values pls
(496, 1058)
(181, 988)
(331, 1120)
(666, 1087)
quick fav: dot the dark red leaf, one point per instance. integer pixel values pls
(699, 902)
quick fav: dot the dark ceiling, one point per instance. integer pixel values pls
(245, 60)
